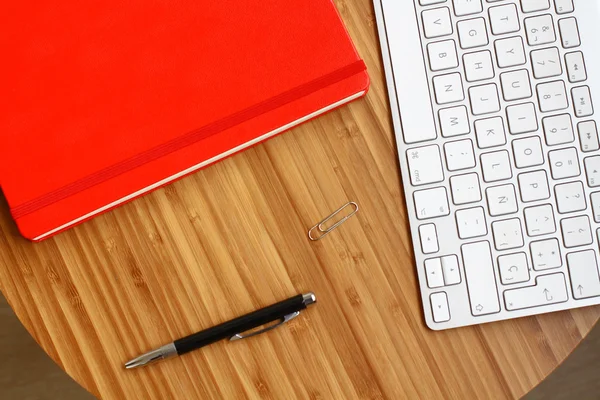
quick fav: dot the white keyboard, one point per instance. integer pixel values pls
(493, 107)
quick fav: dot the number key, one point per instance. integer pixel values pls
(558, 129)
(564, 163)
(552, 96)
(540, 30)
(546, 63)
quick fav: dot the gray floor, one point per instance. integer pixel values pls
(27, 373)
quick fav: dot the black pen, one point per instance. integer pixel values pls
(232, 330)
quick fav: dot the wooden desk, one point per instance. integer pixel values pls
(231, 239)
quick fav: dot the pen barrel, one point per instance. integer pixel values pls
(240, 325)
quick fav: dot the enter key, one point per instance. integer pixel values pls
(549, 289)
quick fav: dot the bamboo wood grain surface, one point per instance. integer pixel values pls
(232, 238)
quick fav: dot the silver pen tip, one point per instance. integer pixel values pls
(162, 353)
(309, 298)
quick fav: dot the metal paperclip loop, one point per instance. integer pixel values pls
(282, 321)
(326, 231)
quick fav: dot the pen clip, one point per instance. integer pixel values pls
(281, 321)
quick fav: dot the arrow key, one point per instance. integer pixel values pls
(439, 306)
(583, 270)
(451, 270)
(549, 289)
(433, 269)
(429, 240)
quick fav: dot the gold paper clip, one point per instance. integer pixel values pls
(323, 231)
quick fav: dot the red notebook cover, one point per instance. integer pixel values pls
(103, 101)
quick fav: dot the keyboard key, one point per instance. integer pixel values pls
(431, 203)
(534, 186)
(471, 223)
(472, 33)
(437, 22)
(430, 2)
(546, 254)
(496, 166)
(465, 189)
(425, 165)
(592, 170)
(546, 63)
(451, 270)
(433, 270)
(564, 163)
(442, 55)
(459, 155)
(490, 132)
(467, 7)
(484, 99)
(522, 118)
(596, 206)
(534, 5)
(478, 66)
(552, 96)
(576, 231)
(510, 52)
(439, 307)
(513, 268)
(569, 33)
(558, 129)
(582, 101)
(504, 19)
(588, 136)
(570, 197)
(429, 240)
(564, 6)
(502, 200)
(454, 121)
(508, 234)
(583, 270)
(480, 278)
(549, 289)
(539, 220)
(516, 85)
(448, 88)
(576, 67)
(540, 30)
(528, 152)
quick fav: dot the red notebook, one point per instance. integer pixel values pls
(103, 101)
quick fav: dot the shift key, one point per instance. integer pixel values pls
(549, 289)
(481, 279)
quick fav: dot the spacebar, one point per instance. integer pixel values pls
(410, 78)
